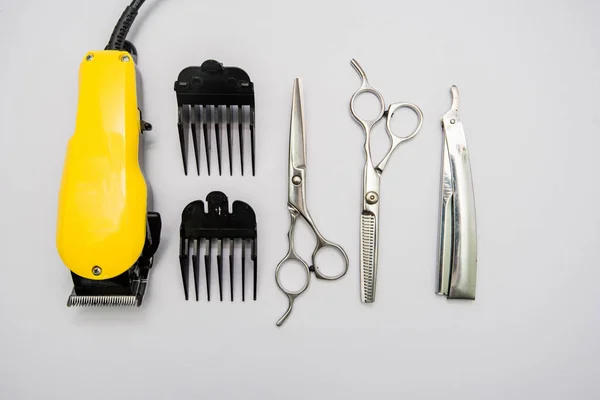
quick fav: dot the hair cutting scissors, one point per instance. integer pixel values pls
(369, 221)
(297, 207)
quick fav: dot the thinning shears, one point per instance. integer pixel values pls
(369, 221)
(297, 207)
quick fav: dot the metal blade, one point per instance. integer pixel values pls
(445, 232)
(206, 130)
(195, 135)
(220, 266)
(183, 127)
(229, 119)
(252, 140)
(255, 266)
(218, 119)
(297, 138)
(241, 133)
(196, 265)
(207, 258)
(368, 257)
(463, 271)
(231, 242)
(184, 265)
(243, 270)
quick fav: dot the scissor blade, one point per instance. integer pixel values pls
(297, 141)
(368, 256)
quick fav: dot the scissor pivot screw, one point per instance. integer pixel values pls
(372, 198)
(96, 271)
(452, 121)
(89, 57)
(296, 180)
(125, 58)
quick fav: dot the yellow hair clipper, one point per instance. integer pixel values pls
(105, 234)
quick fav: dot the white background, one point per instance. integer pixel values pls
(528, 76)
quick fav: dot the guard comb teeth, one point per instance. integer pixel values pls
(206, 96)
(200, 227)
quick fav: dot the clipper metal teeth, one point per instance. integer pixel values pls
(199, 228)
(102, 301)
(207, 97)
(127, 289)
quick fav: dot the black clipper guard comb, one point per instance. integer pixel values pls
(207, 96)
(218, 224)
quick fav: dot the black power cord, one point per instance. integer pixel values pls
(117, 39)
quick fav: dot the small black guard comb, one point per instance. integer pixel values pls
(216, 224)
(207, 96)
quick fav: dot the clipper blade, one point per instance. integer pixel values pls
(103, 301)
(209, 97)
